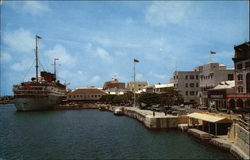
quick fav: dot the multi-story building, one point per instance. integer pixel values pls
(157, 88)
(218, 95)
(187, 83)
(136, 85)
(114, 87)
(241, 59)
(114, 83)
(211, 75)
(85, 94)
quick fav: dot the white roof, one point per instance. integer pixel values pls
(225, 85)
(164, 85)
(209, 118)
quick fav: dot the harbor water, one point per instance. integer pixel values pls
(92, 134)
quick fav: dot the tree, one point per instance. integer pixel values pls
(170, 97)
(149, 98)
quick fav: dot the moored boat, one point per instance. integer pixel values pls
(41, 93)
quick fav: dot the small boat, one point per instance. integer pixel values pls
(102, 108)
(118, 111)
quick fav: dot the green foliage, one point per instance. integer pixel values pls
(168, 97)
(149, 98)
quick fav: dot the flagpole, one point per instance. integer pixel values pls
(134, 83)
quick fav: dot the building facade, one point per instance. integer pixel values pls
(136, 85)
(114, 87)
(85, 94)
(218, 95)
(187, 83)
(241, 98)
(211, 75)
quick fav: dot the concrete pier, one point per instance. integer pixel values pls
(157, 121)
(200, 134)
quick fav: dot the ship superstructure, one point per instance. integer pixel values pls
(41, 93)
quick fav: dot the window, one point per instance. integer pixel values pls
(247, 65)
(176, 77)
(186, 84)
(192, 93)
(191, 84)
(69, 96)
(240, 89)
(187, 93)
(197, 84)
(239, 66)
(191, 76)
(197, 77)
(186, 76)
(240, 77)
(230, 77)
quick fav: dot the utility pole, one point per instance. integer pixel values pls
(36, 52)
(135, 61)
(134, 84)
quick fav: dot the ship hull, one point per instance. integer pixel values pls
(37, 103)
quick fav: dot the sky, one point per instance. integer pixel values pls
(95, 41)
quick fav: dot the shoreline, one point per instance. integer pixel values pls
(162, 121)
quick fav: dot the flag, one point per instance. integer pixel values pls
(211, 52)
(38, 37)
(136, 61)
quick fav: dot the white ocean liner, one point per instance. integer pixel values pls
(41, 93)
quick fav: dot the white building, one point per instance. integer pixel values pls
(136, 86)
(187, 83)
(211, 75)
(85, 94)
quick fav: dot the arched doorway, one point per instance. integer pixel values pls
(248, 82)
(247, 103)
(231, 104)
(240, 103)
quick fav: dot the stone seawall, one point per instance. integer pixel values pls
(76, 106)
(157, 121)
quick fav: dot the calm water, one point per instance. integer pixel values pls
(84, 134)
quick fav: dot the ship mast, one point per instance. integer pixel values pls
(37, 37)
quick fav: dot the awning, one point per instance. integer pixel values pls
(209, 118)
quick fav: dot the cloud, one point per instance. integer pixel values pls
(76, 78)
(103, 54)
(35, 7)
(114, 42)
(61, 53)
(20, 40)
(5, 57)
(163, 13)
(23, 65)
(95, 79)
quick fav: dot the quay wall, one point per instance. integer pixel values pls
(152, 122)
(238, 134)
(242, 140)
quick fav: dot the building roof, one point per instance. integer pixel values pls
(87, 91)
(164, 85)
(209, 118)
(225, 85)
(114, 84)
